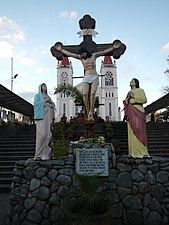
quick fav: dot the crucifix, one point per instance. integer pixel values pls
(87, 51)
(87, 26)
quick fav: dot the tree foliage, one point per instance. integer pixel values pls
(70, 91)
(165, 89)
(167, 70)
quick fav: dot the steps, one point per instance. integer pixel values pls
(16, 143)
(157, 137)
(99, 130)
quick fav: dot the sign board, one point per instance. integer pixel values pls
(92, 161)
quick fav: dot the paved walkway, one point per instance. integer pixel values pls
(4, 207)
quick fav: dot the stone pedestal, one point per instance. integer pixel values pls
(140, 189)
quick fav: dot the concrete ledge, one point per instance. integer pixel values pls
(140, 187)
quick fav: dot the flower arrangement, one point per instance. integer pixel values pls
(101, 140)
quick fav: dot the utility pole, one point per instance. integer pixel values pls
(12, 76)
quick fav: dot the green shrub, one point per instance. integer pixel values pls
(60, 148)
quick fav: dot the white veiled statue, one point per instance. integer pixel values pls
(44, 116)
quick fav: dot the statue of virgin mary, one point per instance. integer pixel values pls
(44, 115)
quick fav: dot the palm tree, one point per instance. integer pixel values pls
(70, 91)
(73, 92)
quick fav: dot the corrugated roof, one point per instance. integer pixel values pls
(11, 101)
(161, 103)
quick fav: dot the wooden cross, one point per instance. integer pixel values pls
(87, 26)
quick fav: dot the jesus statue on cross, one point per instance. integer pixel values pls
(91, 78)
(87, 52)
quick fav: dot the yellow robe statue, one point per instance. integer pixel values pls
(136, 124)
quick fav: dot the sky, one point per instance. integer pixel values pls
(28, 29)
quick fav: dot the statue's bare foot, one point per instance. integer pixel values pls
(90, 116)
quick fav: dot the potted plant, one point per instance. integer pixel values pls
(87, 203)
(101, 140)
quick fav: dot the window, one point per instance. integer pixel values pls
(76, 109)
(110, 110)
(64, 108)
(64, 75)
(109, 78)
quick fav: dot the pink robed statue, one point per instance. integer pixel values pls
(136, 121)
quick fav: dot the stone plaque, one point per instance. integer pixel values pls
(92, 161)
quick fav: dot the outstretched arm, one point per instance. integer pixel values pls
(67, 53)
(104, 52)
(116, 44)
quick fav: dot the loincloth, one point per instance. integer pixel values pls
(90, 78)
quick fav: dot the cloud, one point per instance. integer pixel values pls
(42, 50)
(68, 14)
(165, 47)
(10, 34)
(6, 49)
(23, 59)
(10, 31)
(18, 36)
(26, 61)
(131, 69)
(45, 19)
(40, 70)
(27, 95)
